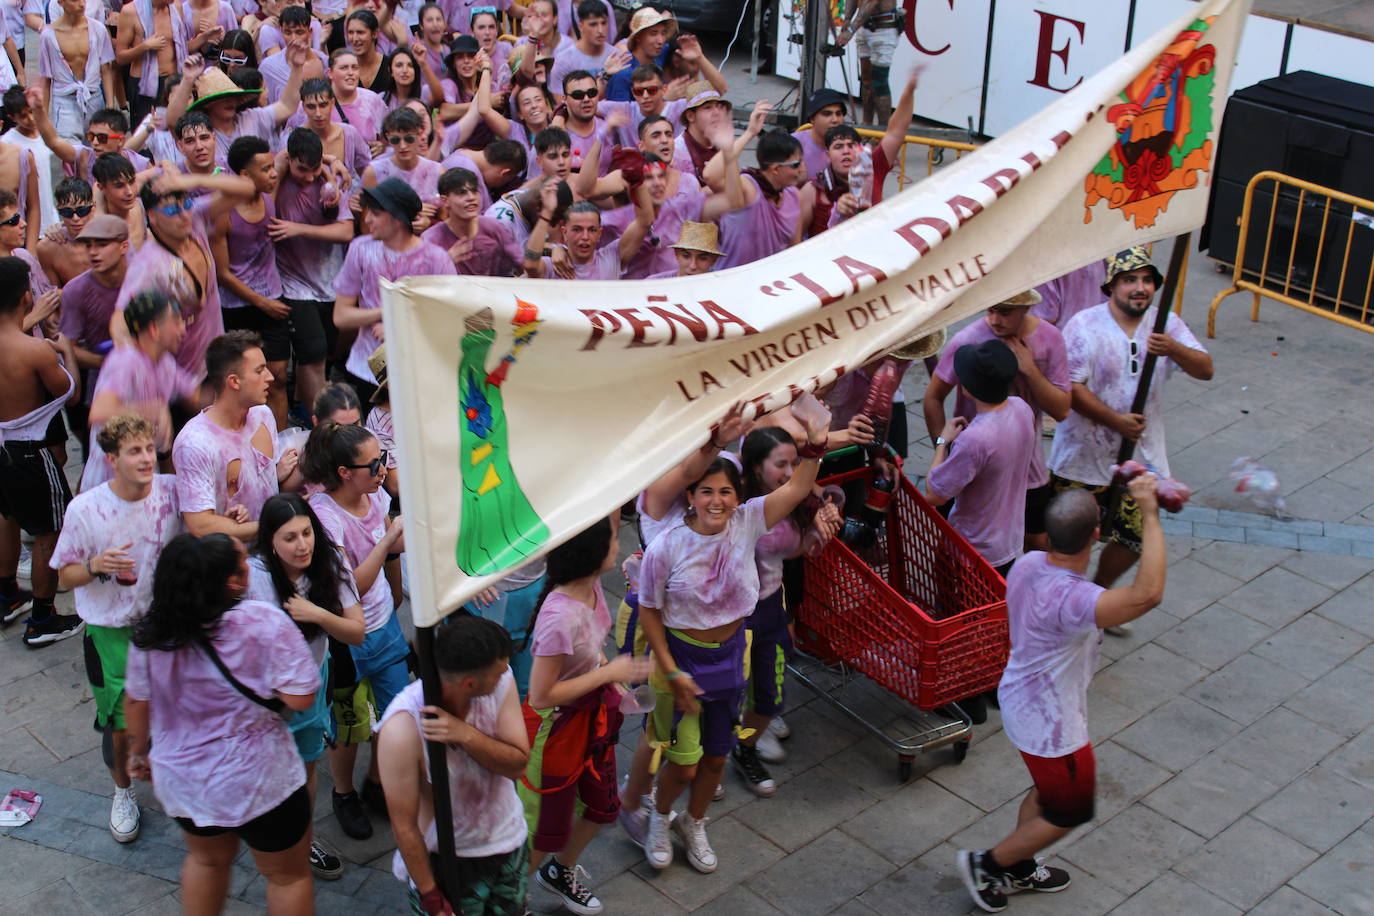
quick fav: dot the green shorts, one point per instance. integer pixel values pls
(107, 657)
(489, 886)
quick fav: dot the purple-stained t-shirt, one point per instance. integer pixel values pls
(604, 264)
(154, 266)
(759, 230)
(987, 474)
(571, 59)
(780, 542)
(1052, 613)
(365, 113)
(567, 16)
(276, 70)
(1046, 346)
(367, 261)
(86, 157)
(38, 278)
(424, 178)
(85, 88)
(261, 588)
(655, 253)
(1108, 362)
(218, 468)
(379, 422)
(1065, 296)
(814, 155)
(566, 626)
(270, 39)
(357, 536)
(251, 122)
(650, 528)
(493, 821)
(493, 252)
(458, 13)
(627, 134)
(701, 581)
(142, 387)
(308, 266)
(460, 160)
(252, 256)
(87, 305)
(218, 758)
(100, 519)
(582, 145)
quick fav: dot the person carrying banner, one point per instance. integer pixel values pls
(1056, 616)
(486, 746)
(573, 715)
(1107, 345)
(698, 583)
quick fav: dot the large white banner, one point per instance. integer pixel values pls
(525, 409)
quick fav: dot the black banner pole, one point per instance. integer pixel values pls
(438, 766)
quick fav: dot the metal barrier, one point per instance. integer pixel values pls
(1290, 290)
(935, 150)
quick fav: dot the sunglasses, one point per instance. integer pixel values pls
(580, 94)
(374, 467)
(647, 90)
(175, 208)
(398, 139)
(12, 221)
(794, 164)
(233, 61)
(93, 137)
(1135, 361)
(71, 212)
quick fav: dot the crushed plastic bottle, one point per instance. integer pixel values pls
(1257, 483)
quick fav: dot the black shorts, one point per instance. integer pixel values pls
(33, 490)
(312, 329)
(276, 831)
(1037, 501)
(56, 436)
(301, 331)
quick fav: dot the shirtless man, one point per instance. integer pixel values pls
(75, 69)
(877, 23)
(33, 491)
(19, 174)
(62, 258)
(150, 40)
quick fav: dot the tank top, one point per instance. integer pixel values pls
(252, 255)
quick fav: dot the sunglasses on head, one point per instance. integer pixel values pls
(12, 221)
(398, 139)
(175, 208)
(70, 212)
(93, 137)
(373, 467)
(482, 9)
(580, 94)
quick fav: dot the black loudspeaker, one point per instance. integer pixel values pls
(1311, 127)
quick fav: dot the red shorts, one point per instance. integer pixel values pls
(1065, 785)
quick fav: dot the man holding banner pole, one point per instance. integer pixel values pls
(1107, 346)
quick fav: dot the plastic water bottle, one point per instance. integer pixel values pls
(858, 182)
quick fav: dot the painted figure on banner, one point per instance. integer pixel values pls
(1162, 125)
(498, 527)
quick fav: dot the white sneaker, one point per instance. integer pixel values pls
(25, 570)
(778, 728)
(692, 832)
(124, 816)
(769, 748)
(658, 845)
(1121, 629)
(719, 793)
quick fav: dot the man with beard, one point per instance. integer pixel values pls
(585, 129)
(1107, 345)
(1042, 381)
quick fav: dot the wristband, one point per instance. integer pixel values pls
(102, 577)
(547, 219)
(812, 450)
(673, 675)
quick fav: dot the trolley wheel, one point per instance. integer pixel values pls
(960, 751)
(904, 767)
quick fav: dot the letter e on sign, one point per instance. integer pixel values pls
(1055, 28)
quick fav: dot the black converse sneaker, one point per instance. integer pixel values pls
(563, 881)
(1033, 875)
(984, 885)
(752, 769)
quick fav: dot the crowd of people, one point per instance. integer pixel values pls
(196, 299)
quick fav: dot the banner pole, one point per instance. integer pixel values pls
(447, 878)
(1178, 260)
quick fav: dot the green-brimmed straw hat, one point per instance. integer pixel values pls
(213, 85)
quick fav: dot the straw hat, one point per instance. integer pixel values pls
(920, 347)
(377, 363)
(213, 85)
(645, 18)
(517, 57)
(1023, 299)
(699, 93)
(699, 237)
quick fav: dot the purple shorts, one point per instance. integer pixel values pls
(769, 650)
(718, 669)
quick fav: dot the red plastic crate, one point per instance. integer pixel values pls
(919, 612)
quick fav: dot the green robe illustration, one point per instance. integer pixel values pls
(499, 527)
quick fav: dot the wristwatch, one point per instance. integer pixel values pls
(940, 440)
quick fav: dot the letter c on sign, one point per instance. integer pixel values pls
(910, 7)
(1044, 50)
